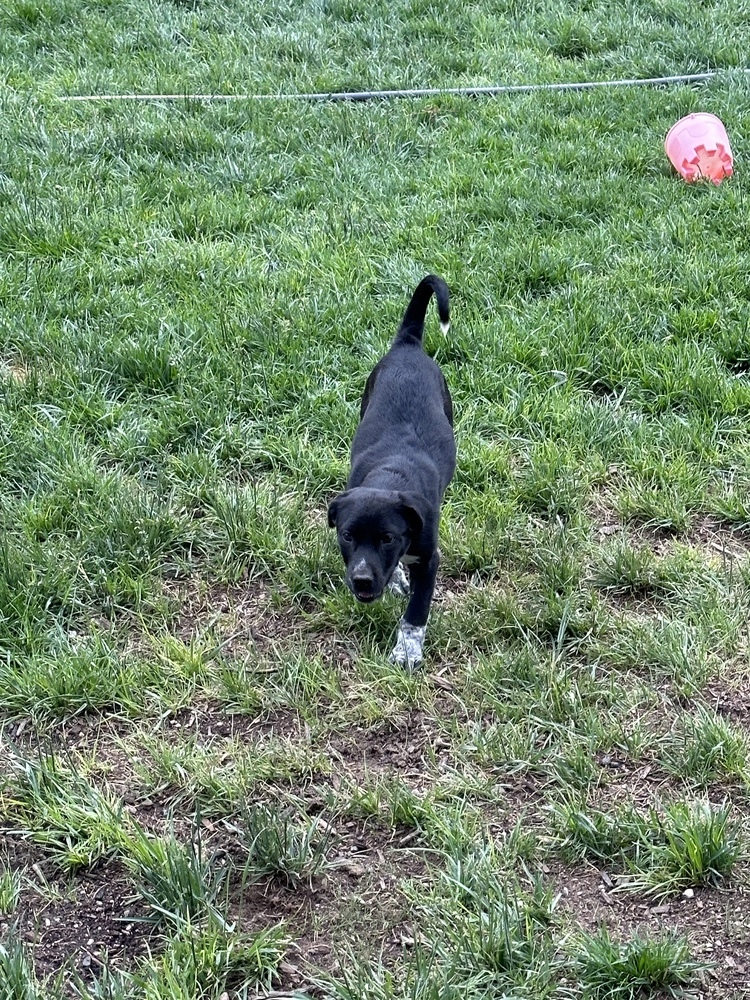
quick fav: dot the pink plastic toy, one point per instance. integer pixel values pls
(698, 147)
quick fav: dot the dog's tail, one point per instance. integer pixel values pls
(412, 325)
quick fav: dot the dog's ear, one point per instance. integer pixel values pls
(414, 509)
(333, 509)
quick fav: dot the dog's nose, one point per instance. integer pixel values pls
(363, 581)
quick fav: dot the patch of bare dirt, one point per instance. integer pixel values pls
(245, 615)
(80, 922)
(356, 905)
(719, 541)
(211, 720)
(713, 921)
(730, 697)
(247, 618)
(715, 539)
(403, 747)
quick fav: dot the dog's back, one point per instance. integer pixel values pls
(406, 407)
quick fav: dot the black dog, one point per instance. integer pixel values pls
(403, 457)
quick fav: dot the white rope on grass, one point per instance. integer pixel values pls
(373, 95)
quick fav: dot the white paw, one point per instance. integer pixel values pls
(399, 581)
(408, 649)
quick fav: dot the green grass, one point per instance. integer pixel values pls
(180, 883)
(210, 961)
(692, 844)
(218, 780)
(481, 934)
(192, 297)
(74, 821)
(16, 975)
(196, 963)
(277, 846)
(706, 748)
(631, 969)
(10, 887)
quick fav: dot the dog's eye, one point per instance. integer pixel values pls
(346, 535)
(387, 539)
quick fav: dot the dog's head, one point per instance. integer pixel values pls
(375, 529)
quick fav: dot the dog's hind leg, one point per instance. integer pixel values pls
(399, 581)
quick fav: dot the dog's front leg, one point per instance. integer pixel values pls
(411, 630)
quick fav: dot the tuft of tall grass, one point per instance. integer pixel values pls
(77, 823)
(179, 882)
(277, 845)
(606, 969)
(689, 844)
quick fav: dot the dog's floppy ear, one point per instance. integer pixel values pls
(333, 509)
(414, 509)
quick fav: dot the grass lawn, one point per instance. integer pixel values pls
(212, 782)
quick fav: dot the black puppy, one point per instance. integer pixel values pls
(403, 457)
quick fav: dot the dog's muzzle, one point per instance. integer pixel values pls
(362, 583)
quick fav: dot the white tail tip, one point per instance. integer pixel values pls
(445, 327)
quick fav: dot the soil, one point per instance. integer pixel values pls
(80, 922)
(715, 923)
(357, 905)
(88, 919)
